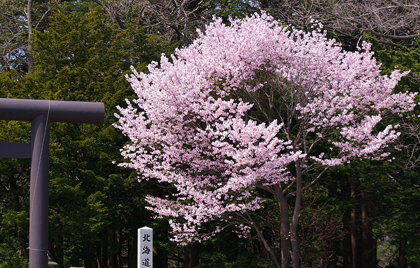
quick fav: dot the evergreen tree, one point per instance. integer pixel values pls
(95, 206)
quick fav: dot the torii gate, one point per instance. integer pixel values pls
(40, 113)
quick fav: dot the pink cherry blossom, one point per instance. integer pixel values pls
(194, 123)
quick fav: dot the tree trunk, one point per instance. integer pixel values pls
(284, 227)
(132, 250)
(110, 250)
(29, 19)
(353, 230)
(402, 261)
(191, 253)
(347, 248)
(368, 242)
(119, 248)
(89, 256)
(296, 215)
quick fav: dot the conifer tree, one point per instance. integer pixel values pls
(94, 205)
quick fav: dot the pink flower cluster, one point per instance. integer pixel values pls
(190, 125)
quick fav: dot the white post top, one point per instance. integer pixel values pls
(145, 247)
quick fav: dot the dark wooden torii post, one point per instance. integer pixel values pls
(40, 113)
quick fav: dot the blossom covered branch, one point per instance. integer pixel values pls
(242, 105)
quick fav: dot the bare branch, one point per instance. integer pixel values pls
(388, 20)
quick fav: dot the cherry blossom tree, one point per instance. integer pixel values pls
(254, 107)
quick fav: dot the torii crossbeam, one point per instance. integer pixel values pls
(40, 113)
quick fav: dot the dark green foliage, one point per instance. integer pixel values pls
(95, 206)
(405, 58)
(14, 184)
(399, 222)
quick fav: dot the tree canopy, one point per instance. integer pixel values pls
(236, 111)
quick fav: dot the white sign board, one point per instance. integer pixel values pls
(145, 247)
